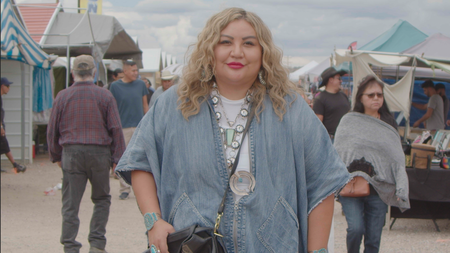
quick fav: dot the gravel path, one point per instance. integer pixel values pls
(31, 221)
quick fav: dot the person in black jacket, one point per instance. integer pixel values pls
(4, 145)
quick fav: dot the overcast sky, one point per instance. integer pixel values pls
(304, 29)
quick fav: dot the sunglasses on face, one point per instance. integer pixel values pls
(372, 95)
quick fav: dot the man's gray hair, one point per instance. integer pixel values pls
(84, 73)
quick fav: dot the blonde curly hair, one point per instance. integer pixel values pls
(198, 74)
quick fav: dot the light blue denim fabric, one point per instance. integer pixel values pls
(293, 161)
(365, 217)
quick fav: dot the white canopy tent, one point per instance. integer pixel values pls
(73, 34)
(294, 76)
(319, 68)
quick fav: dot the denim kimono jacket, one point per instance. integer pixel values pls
(294, 163)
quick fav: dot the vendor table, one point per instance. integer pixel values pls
(429, 194)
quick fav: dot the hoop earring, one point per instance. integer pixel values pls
(204, 77)
(261, 78)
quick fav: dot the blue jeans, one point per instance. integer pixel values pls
(365, 216)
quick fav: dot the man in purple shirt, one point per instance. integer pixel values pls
(85, 138)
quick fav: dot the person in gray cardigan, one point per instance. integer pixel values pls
(369, 145)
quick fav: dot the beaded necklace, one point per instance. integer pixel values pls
(231, 136)
(241, 182)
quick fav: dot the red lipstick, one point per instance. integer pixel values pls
(235, 65)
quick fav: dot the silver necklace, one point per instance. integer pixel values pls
(230, 136)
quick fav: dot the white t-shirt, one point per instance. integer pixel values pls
(232, 109)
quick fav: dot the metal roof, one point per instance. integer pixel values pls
(37, 18)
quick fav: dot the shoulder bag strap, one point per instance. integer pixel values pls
(233, 169)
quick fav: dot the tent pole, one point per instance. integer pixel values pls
(396, 76)
(95, 44)
(22, 110)
(407, 125)
(68, 61)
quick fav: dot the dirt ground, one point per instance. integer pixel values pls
(31, 221)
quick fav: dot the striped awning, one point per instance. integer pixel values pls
(17, 44)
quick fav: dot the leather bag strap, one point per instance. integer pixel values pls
(236, 162)
(233, 169)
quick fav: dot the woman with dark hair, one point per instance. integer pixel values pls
(373, 103)
(369, 144)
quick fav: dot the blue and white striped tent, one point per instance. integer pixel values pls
(16, 43)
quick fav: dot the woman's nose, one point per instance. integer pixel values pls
(237, 51)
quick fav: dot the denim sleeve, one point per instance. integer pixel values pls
(324, 171)
(141, 152)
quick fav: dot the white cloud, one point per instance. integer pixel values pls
(174, 39)
(307, 29)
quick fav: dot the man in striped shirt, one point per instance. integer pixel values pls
(85, 138)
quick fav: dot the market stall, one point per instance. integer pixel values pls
(103, 37)
(27, 66)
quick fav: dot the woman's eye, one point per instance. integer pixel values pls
(249, 43)
(225, 42)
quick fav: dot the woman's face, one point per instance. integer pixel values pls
(372, 97)
(238, 56)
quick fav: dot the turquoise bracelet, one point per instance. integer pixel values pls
(150, 219)
(322, 250)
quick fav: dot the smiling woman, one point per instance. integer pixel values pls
(199, 148)
(237, 59)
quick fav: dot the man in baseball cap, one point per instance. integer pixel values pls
(4, 145)
(84, 138)
(331, 104)
(6, 82)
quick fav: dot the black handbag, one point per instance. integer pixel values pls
(195, 239)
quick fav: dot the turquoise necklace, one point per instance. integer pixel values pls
(231, 135)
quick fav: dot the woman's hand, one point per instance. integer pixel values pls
(158, 235)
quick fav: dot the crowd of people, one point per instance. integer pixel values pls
(235, 124)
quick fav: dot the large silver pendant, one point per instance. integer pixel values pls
(239, 177)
